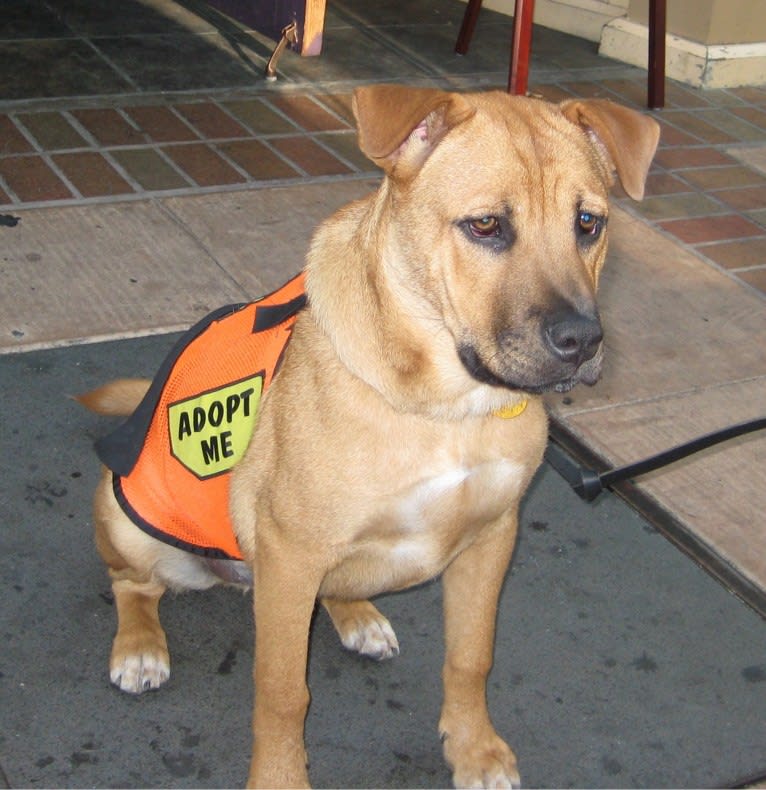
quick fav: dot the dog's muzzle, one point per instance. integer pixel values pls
(564, 350)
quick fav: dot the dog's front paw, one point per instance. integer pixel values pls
(487, 762)
(363, 629)
(141, 671)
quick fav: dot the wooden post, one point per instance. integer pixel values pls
(520, 49)
(466, 29)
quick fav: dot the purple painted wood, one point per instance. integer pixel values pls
(268, 17)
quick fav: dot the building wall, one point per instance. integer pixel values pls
(710, 21)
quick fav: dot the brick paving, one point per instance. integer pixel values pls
(81, 154)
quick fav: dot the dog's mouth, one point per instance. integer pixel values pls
(556, 379)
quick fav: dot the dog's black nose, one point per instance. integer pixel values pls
(573, 336)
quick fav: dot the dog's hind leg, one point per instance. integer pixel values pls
(140, 660)
(362, 628)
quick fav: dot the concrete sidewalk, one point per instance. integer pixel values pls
(683, 360)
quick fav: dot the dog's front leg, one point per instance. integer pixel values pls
(286, 582)
(477, 755)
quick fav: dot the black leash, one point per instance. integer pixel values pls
(588, 484)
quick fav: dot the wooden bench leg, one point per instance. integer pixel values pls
(466, 29)
(518, 74)
(656, 63)
(520, 49)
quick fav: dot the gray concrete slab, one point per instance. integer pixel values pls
(101, 272)
(618, 662)
(680, 362)
(89, 271)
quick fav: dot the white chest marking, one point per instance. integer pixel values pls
(487, 488)
(421, 528)
(441, 513)
(427, 492)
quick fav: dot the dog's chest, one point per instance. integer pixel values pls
(413, 534)
(456, 499)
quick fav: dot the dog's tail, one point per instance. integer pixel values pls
(117, 398)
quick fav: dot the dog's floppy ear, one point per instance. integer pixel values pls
(628, 138)
(398, 125)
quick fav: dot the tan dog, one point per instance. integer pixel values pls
(406, 420)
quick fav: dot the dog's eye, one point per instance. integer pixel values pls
(589, 224)
(491, 231)
(485, 227)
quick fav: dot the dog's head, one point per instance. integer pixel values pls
(501, 212)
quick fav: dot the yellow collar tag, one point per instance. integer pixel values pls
(509, 412)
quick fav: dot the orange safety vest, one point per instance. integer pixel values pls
(171, 459)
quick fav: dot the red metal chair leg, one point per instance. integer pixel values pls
(466, 29)
(520, 49)
(656, 64)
